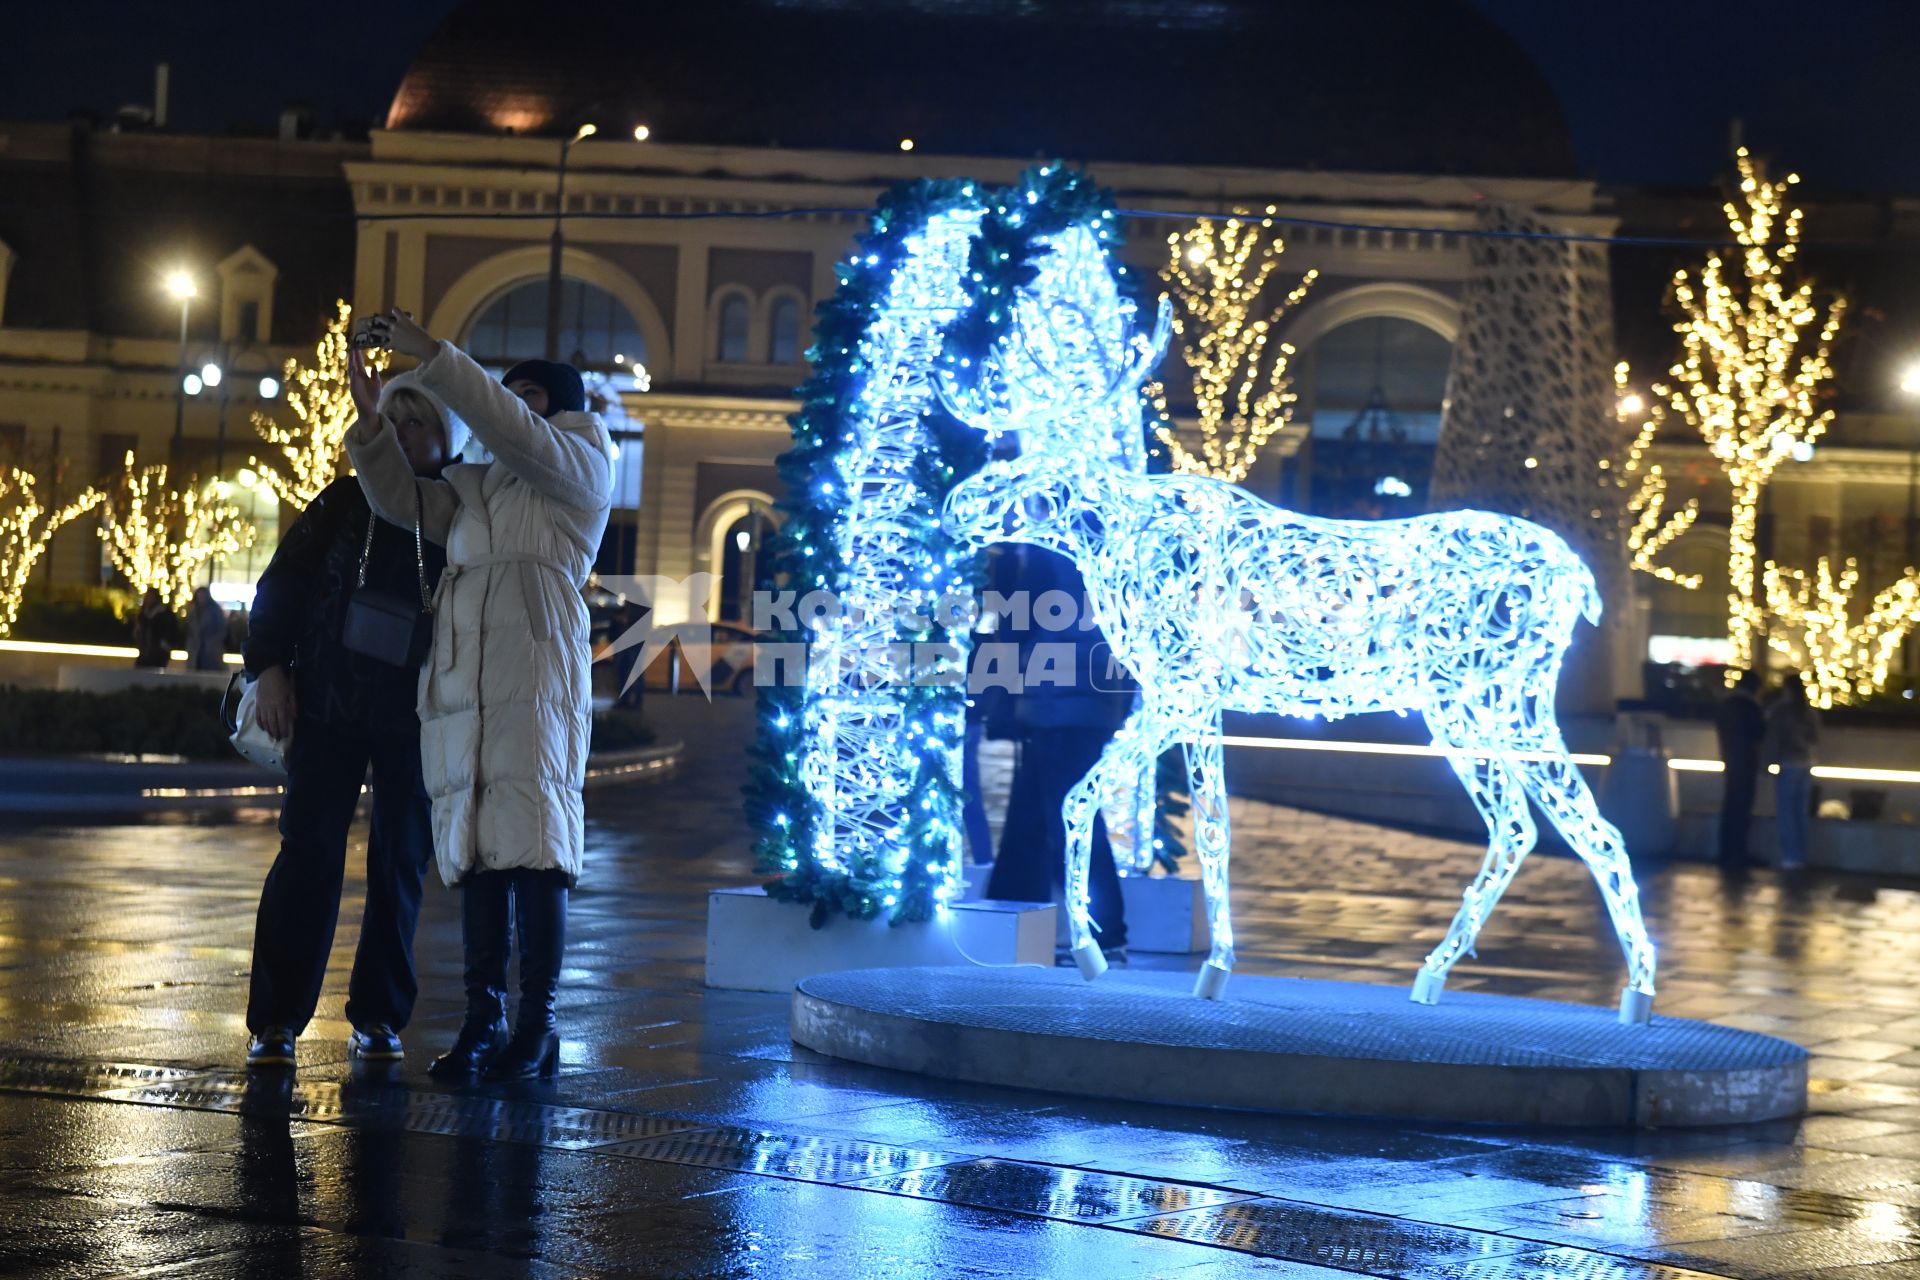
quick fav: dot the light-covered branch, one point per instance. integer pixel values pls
(27, 525)
(1242, 394)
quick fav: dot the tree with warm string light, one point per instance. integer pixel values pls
(26, 527)
(1754, 353)
(1241, 391)
(311, 454)
(163, 539)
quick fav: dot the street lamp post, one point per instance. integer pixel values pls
(182, 287)
(1910, 387)
(558, 242)
(214, 374)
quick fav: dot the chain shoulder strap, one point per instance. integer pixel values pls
(419, 552)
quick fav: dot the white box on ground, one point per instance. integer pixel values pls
(758, 943)
(1164, 914)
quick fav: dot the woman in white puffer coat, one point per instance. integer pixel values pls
(505, 697)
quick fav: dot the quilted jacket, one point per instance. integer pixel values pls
(505, 700)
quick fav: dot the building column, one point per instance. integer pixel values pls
(690, 311)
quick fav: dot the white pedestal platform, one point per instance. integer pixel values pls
(758, 943)
(1299, 1046)
(1165, 914)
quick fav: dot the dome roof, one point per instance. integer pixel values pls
(1417, 86)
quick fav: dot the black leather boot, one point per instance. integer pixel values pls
(540, 908)
(485, 911)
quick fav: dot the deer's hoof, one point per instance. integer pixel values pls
(1211, 983)
(1092, 963)
(1636, 1007)
(1427, 986)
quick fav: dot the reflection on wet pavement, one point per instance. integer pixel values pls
(687, 1136)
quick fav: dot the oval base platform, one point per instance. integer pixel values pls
(1294, 1045)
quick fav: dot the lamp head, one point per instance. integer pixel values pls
(181, 286)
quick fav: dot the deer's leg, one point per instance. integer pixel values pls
(1497, 791)
(1212, 843)
(1555, 783)
(1132, 750)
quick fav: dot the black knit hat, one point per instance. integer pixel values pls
(565, 391)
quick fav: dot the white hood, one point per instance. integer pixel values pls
(457, 434)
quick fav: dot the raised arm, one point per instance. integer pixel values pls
(386, 477)
(569, 466)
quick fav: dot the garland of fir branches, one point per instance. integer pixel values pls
(1043, 202)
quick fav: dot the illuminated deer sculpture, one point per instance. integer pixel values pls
(1216, 601)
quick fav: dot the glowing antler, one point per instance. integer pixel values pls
(1131, 365)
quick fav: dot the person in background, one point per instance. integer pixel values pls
(989, 715)
(345, 710)
(1062, 727)
(155, 631)
(1792, 736)
(506, 701)
(206, 632)
(1740, 725)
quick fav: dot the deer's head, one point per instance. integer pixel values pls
(1059, 380)
(1030, 498)
(1063, 387)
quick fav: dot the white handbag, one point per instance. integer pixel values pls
(250, 738)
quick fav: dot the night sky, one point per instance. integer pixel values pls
(1648, 85)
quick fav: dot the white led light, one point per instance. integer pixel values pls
(862, 751)
(1217, 601)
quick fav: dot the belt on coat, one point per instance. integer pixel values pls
(529, 590)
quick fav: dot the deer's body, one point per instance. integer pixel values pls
(1217, 601)
(1382, 604)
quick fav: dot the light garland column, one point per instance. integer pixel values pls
(857, 795)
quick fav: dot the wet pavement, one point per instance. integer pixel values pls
(688, 1136)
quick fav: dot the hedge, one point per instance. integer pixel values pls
(178, 722)
(175, 722)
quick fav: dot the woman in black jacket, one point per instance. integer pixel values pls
(346, 710)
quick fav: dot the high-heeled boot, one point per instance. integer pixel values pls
(485, 935)
(540, 909)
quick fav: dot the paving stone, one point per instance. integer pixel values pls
(130, 945)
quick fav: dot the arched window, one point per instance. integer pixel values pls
(734, 320)
(595, 327)
(739, 565)
(783, 344)
(1374, 412)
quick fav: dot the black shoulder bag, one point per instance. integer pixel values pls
(385, 626)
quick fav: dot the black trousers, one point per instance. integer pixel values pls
(1033, 845)
(1739, 783)
(300, 904)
